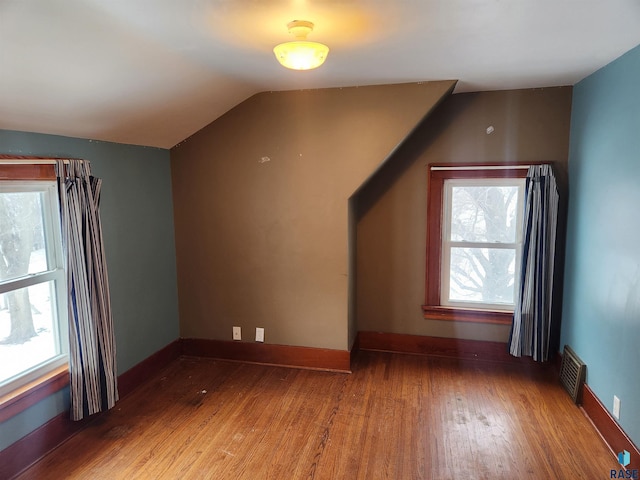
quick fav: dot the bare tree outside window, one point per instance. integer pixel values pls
(21, 236)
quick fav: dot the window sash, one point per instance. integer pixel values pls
(477, 304)
(55, 273)
(31, 280)
(448, 244)
(497, 245)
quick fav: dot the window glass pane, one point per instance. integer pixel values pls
(482, 275)
(22, 246)
(484, 213)
(28, 335)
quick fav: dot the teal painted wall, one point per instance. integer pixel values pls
(137, 222)
(601, 312)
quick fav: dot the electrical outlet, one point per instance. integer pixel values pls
(259, 334)
(237, 333)
(616, 407)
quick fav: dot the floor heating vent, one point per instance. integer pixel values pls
(572, 373)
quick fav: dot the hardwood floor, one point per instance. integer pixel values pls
(396, 417)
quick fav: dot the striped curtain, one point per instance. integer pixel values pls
(532, 320)
(92, 355)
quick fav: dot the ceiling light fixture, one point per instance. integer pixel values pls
(301, 54)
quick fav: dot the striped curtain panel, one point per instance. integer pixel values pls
(531, 329)
(92, 354)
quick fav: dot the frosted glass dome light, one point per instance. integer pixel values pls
(301, 54)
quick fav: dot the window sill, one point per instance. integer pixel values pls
(431, 312)
(22, 398)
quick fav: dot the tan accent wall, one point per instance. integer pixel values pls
(529, 126)
(261, 202)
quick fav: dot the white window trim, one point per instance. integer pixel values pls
(447, 244)
(56, 273)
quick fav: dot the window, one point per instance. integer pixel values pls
(474, 242)
(33, 334)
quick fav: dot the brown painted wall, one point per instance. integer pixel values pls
(530, 125)
(261, 208)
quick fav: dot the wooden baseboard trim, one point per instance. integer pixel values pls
(609, 430)
(32, 447)
(439, 347)
(35, 445)
(355, 348)
(132, 378)
(268, 354)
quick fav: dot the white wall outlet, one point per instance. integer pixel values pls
(237, 333)
(259, 334)
(616, 407)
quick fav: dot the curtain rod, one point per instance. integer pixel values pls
(31, 161)
(480, 167)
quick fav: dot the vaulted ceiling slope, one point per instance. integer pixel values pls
(153, 72)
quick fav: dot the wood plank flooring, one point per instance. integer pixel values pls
(395, 417)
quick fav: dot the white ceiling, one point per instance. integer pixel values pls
(152, 72)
